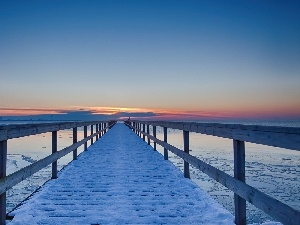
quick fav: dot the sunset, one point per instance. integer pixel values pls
(217, 58)
(154, 112)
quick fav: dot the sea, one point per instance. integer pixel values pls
(274, 171)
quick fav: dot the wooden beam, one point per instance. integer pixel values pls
(97, 131)
(84, 136)
(154, 135)
(74, 141)
(54, 149)
(186, 149)
(144, 132)
(91, 134)
(21, 130)
(283, 137)
(100, 130)
(166, 155)
(148, 133)
(239, 173)
(3, 160)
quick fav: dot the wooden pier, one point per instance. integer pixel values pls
(273, 136)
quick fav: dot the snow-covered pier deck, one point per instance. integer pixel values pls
(120, 180)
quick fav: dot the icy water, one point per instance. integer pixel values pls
(274, 171)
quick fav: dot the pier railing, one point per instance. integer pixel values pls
(284, 137)
(20, 130)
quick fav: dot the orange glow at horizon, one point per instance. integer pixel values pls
(160, 113)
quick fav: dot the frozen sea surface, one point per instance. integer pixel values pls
(121, 180)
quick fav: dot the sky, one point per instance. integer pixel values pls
(172, 58)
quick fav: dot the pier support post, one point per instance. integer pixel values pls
(91, 134)
(74, 141)
(3, 159)
(148, 132)
(96, 132)
(186, 148)
(85, 135)
(154, 135)
(239, 173)
(166, 140)
(144, 132)
(54, 149)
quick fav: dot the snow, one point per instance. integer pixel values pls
(121, 180)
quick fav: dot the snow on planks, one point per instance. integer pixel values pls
(121, 180)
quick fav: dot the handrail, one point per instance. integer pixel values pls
(243, 191)
(283, 137)
(20, 130)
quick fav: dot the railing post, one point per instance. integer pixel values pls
(96, 132)
(136, 127)
(140, 130)
(154, 134)
(100, 135)
(99, 128)
(85, 135)
(74, 141)
(148, 132)
(139, 125)
(3, 159)
(165, 140)
(54, 149)
(186, 148)
(144, 132)
(239, 173)
(91, 134)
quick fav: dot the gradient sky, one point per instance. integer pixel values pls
(205, 57)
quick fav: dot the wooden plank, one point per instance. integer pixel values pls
(54, 149)
(239, 173)
(100, 134)
(21, 130)
(144, 132)
(166, 156)
(283, 137)
(148, 132)
(91, 134)
(84, 136)
(74, 141)
(154, 134)
(3, 159)
(186, 149)
(97, 131)
(271, 206)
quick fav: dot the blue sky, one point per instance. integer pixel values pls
(223, 57)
